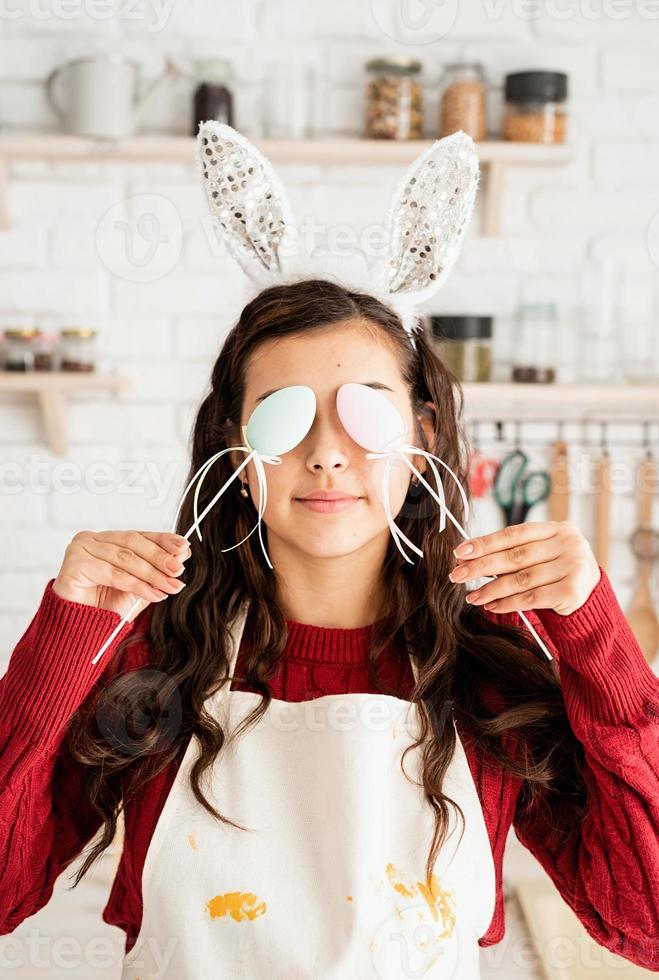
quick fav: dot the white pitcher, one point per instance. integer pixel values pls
(98, 96)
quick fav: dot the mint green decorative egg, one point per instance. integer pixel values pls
(281, 420)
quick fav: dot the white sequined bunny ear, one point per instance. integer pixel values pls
(426, 222)
(247, 201)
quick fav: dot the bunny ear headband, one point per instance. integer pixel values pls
(425, 224)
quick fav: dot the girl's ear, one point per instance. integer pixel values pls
(248, 203)
(428, 216)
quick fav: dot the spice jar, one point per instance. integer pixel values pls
(77, 349)
(212, 98)
(535, 107)
(463, 102)
(43, 351)
(394, 99)
(535, 332)
(464, 343)
(19, 354)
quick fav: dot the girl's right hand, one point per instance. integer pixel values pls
(111, 569)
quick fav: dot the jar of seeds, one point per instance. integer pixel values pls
(394, 99)
(535, 110)
(463, 100)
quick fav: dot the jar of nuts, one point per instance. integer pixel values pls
(463, 101)
(394, 99)
(535, 107)
(77, 349)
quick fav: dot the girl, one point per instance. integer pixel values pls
(275, 823)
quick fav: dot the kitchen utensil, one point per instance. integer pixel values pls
(482, 471)
(642, 614)
(559, 469)
(98, 96)
(516, 490)
(603, 508)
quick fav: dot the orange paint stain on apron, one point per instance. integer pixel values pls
(192, 842)
(439, 900)
(233, 904)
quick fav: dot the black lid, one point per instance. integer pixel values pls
(536, 86)
(461, 327)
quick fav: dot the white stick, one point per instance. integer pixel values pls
(464, 534)
(195, 524)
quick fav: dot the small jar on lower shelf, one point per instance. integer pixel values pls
(535, 343)
(18, 348)
(464, 343)
(77, 349)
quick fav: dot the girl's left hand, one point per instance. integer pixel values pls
(539, 565)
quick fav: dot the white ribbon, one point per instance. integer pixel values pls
(400, 449)
(201, 472)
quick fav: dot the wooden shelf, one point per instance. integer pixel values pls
(52, 389)
(507, 400)
(487, 401)
(494, 156)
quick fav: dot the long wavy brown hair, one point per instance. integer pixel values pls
(502, 690)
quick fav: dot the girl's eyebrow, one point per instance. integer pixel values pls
(367, 384)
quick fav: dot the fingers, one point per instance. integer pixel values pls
(540, 597)
(132, 561)
(509, 537)
(525, 582)
(514, 559)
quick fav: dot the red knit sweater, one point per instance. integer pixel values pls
(608, 871)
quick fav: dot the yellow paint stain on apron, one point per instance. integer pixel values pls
(439, 900)
(233, 904)
(192, 842)
(349, 898)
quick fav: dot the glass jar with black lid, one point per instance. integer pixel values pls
(464, 343)
(535, 109)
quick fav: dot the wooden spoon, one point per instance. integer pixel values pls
(559, 468)
(642, 614)
(603, 508)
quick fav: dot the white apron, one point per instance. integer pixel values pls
(329, 881)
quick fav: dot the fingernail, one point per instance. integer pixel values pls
(472, 596)
(463, 550)
(459, 574)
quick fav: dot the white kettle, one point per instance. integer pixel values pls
(99, 96)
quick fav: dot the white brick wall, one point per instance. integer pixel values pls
(61, 259)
